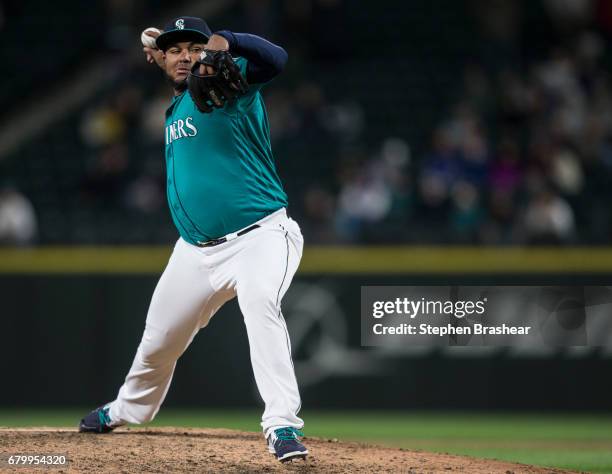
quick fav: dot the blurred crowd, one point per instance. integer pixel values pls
(522, 155)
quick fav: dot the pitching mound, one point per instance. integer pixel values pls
(166, 450)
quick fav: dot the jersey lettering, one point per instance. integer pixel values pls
(176, 130)
(179, 126)
(190, 126)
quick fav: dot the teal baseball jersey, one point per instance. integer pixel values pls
(220, 168)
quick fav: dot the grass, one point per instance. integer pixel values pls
(578, 442)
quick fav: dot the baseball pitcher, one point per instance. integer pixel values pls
(236, 239)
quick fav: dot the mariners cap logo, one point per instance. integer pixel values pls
(180, 24)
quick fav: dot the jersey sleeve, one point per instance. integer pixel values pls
(265, 60)
(243, 64)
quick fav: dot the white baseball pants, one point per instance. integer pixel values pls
(257, 267)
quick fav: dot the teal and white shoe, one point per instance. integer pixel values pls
(98, 421)
(285, 445)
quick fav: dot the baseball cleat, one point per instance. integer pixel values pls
(284, 444)
(98, 421)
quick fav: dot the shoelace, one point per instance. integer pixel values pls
(287, 434)
(104, 417)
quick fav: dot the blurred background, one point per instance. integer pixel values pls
(478, 122)
(420, 142)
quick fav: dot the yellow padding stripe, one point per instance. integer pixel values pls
(325, 260)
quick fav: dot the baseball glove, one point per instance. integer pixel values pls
(213, 91)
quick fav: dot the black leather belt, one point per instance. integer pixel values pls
(222, 240)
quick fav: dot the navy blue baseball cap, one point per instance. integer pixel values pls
(183, 28)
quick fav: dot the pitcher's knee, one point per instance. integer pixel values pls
(260, 306)
(160, 349)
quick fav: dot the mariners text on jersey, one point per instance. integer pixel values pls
(221, 175)
(179, 129)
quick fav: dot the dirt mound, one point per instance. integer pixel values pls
(166, 450)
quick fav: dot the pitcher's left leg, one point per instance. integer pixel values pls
(263, 272)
